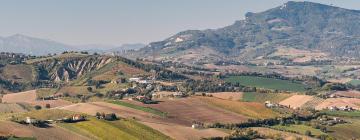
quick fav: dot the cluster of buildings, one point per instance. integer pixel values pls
(73, 118)
(269, 104)
(331, 121)
(342, 108)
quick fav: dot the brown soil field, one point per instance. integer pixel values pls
(30, 97)
(11, 108)
(248, 109)
(296, 101)
(349, 93)
(172, 127)
(193, 109)
(339, 102)
(235, 96)
(179, 132)
(282, 134)
(52, 133)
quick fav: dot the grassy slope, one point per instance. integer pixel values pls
(299, 128)
(45, 92)
(262, 97)
(20, 73)
(267, 83)
(98, 129)
(115, 130)
(352, 114)
(145, 109)
(346, 131)
(252, 110)
(354, 82)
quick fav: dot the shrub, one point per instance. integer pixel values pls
(37, 107)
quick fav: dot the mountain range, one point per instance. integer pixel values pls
(300, 25)
(36, 46)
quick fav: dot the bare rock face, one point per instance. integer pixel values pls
(67, 69)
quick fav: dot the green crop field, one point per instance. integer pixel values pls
(262, 97)
(346, 131)
(145, 109)
(354, 82)
(300, 129)
(351, 114)
(267, 83)
(122, 129)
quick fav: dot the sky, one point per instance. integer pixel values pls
(115, 22)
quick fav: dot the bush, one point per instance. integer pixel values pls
(37, 107)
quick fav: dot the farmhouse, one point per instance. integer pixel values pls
(118, 81)
(78, 117)
(30, 120)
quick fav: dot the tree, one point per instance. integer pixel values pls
(37, 107)
(89, 89)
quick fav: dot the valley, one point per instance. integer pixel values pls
(278, 74)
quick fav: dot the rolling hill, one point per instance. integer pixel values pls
(299, 25)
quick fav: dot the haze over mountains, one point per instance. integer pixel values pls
(36, 46)
(300, 25)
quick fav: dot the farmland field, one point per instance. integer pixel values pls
(263, 97)
(235, 96)
(282, 134)
(252, 110)
(145, 109)
(299, 128)
(11, 108)
(339, 102)
(122, 129)
(30, 98)
(296, 101)
(45, 92)
(51, 133)
(342, 113)
(346, 131)
(173, 127)
(186, 110)
(354, 82)
(267, 83)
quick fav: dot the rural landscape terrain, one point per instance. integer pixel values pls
(288, 73)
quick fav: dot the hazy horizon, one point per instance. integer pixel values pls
(115, 22)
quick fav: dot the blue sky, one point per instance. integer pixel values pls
(126, 21)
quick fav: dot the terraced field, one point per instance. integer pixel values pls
(263, 97)
(267, 83)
